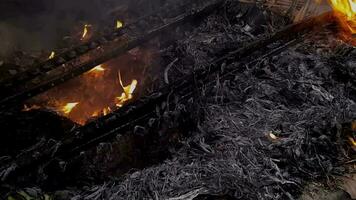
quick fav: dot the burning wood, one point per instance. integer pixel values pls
(345, 12)
(95, 92)
(280, 82)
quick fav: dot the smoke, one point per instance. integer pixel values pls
(40, 24)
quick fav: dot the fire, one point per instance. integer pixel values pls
(96, 69)
(85, 31)
(106, 111)
(67, 109)
(128, 91)
(98, 92)
(51, 56)
(346, 12)
(119, 24)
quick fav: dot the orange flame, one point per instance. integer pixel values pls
(128, 91)
(95, 93)
(346, 10)
(67, 109)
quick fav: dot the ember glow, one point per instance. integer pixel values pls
(346, 13)
(98, 92)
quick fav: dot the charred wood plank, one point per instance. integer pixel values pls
(116, 123)
(63, 67)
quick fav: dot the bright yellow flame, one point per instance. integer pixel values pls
(347, 9)
(98, 68)
(128, 91)
(85, 31)
(69, 107)
(119, 24)
(51, 56)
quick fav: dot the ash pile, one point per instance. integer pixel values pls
(275, 123)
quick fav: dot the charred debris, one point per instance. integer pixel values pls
(233, 101)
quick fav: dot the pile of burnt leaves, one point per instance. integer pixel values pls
(174, 123)
(262, 134)
(221, 31)
(228, 29)
(265, 134)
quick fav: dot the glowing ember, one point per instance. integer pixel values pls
(67, 109)
(85, 31)
(95, 114)
(128, 91)
(346, 10)
(119, 24)
(97, 92)
(51, 56)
